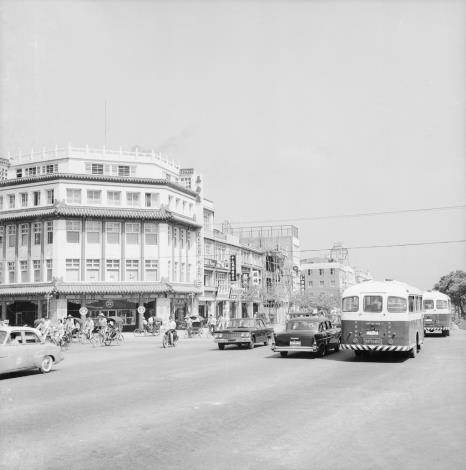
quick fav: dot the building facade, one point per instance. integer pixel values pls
(92, 230)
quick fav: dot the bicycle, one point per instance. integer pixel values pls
(170, 339)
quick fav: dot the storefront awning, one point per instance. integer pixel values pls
(96, 288)
(26, 289)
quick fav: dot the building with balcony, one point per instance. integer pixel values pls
(93, 230)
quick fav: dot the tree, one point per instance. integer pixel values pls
(454, 285)
(327, 302)
(304, 300)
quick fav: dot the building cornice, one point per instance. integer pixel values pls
(95, 178)
(64, 210)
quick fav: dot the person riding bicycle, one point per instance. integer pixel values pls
(112, 330)
(171, 331)
(88, 326)
(144, 324)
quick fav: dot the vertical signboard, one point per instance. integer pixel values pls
(232, 268)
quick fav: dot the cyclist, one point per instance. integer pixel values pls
(144, 324)
(171, 331)
(150, 324)
(189, 326)
(88, 327)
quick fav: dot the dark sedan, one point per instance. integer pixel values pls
(307, 334)
(244, 331)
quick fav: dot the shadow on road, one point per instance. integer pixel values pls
(346, 356)
(23, 373)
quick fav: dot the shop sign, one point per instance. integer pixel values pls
(109, 303)
(223, 292)
(200, 274)
(236, 293)
(233, 268)
(83, 311)
(141, 309)
(245, 280)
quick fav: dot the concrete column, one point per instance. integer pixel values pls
(3, 306)
(58, 309)
(163, 309)
(226, 310)
(39, 309)
(250, 309)
(83, 304)
(140, 315)
(195, 306)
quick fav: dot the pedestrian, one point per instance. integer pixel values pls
(220, 322)
(144, 323)
(189, 326)
(150, 322)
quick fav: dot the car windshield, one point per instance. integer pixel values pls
(241, 323)
(3, 335)
(302, 325)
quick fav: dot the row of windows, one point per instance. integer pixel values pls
(37, 170)
(321, 271)
(113, 198)
(374, 304)
(25, 273)
(27, 199)
(27, 232)
(113, 232)
(321, 283)
(107, 169)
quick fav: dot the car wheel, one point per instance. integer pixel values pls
(165, 341)
(322, 351)
(46, 364)
(251, 343)
(221, 346)
(283, 353)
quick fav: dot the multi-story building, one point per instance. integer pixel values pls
(232, 273)
(280, 244)
(330, 275)
(86, 230)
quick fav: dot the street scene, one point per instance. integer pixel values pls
(161, 408)
(232, 235)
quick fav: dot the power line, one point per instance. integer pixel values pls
(351, 215)
(441, 242)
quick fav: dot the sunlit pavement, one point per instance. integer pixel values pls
(141, 406)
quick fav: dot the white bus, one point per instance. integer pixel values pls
(437, 313)
(382, 316)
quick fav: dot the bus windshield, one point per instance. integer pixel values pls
(396, 304)
(373, 303)
(442, 304)
(350, 304)
(428, 304)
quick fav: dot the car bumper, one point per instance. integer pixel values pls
(232, 341)
(294, 348)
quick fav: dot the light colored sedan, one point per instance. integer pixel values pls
(24, 348)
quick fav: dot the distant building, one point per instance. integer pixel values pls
(280, 244)
(330, 275)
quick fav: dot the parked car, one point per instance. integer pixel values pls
(244, 331)
(23, 348)
(307, 334)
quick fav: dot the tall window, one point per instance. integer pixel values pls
(24, 234)
(93, 231)
(132, 233)
(170, 277)
(93, 270)
(132, 199)
(151, 234)
(332, 271)
(49, 228)
(23, 267)
(24, 199)
(188, 273)
(11, 201)
(49, 264)
(132, 270)
(175, 272)
(36, 268)
(123, 170)
(151, 199)
(114, 198)
(50, 196)
(2, 235)
(182, 232)
(11, 272)
(321, 272)
(113, 232)
(11, 234)
(188, 238)
(151, 270)
(72, 269)
(182, 271)
(36, 198)
(36, 232)
(113, 270)
(73, 229)
(97, 168)
(73, 196)
(94, 197)
(175, 237)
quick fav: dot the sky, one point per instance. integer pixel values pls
(291, 110)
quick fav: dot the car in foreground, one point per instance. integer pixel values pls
(23, 348)
(244, 331)
(307, 334)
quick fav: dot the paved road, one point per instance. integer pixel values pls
(140, 406)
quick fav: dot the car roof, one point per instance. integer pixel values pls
(314, 318)
(18, 328)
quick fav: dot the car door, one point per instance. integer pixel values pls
(331, 334)
(259, 331)
(12, 352)
(322, 333)
(33, 348)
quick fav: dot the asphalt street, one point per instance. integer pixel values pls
(139, 406)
